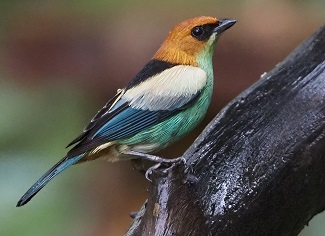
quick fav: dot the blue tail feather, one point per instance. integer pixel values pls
(50, 174)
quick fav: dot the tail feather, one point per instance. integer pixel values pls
(50, 174)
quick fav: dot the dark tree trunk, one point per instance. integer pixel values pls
(260, 164)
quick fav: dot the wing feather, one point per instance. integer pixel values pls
(141, 106)
(95, 119)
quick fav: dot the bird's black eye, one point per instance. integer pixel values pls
(197, 31)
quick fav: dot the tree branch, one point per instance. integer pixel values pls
(260, 164)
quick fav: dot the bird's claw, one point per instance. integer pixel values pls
(180, 159)
(168, 161)
(150, 170)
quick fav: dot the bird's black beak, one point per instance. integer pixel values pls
(223, 25)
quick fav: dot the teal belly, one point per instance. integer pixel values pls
(162, 134)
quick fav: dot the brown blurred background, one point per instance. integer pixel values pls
(62, 60)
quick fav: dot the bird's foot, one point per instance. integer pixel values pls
(150, 170)
(166, 161)
(153, 158)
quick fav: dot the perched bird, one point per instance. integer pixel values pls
(162, 103)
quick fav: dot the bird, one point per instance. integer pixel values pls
(163, 102)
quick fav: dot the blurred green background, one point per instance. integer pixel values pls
(62, 60)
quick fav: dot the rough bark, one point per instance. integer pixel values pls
(260, 164)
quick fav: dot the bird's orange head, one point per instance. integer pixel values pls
(187, 40)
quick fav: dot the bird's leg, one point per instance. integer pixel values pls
(154, 158)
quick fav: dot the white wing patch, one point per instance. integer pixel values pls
(168, 90)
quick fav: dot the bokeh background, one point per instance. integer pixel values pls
(60, 61)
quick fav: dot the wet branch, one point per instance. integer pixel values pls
(260, 164)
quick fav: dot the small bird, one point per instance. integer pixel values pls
(162, 103)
